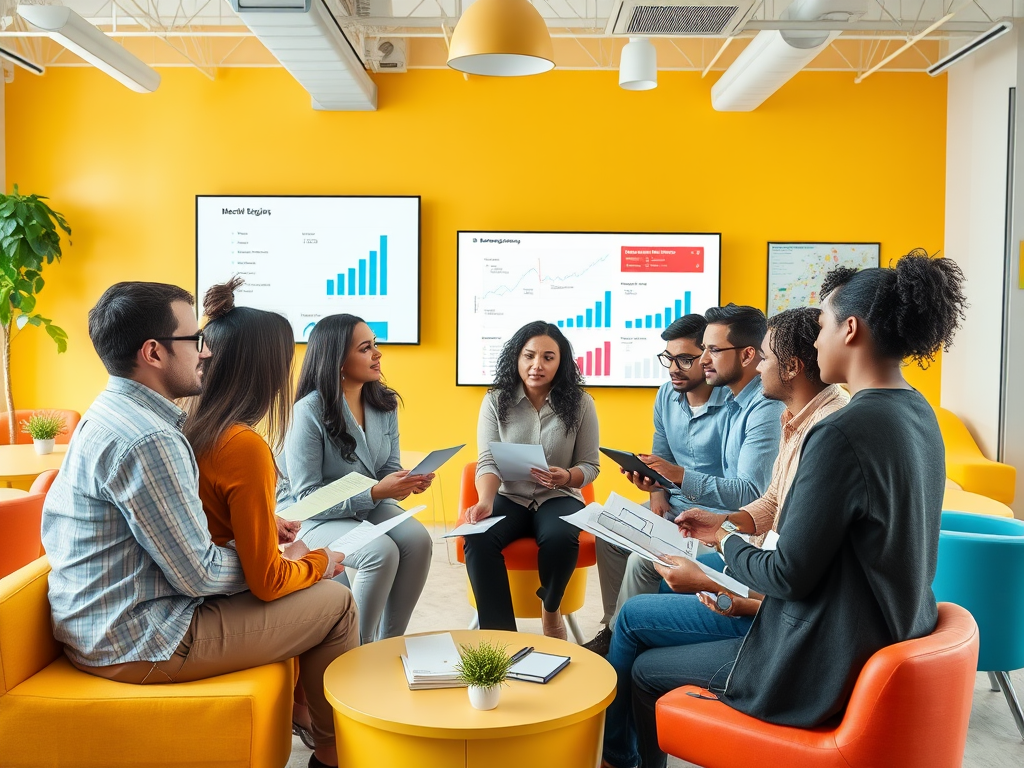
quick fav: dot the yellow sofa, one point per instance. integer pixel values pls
(51, 714)
(968, 467)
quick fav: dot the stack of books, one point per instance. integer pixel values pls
(430, 661)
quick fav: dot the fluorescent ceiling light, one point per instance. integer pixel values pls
(82, 38)
(21, 61)
(960, 54)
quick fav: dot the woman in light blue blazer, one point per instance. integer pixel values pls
(345, 421)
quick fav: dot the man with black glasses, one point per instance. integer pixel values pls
(689, 420)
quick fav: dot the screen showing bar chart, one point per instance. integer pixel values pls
(308, 257)
(611, 294)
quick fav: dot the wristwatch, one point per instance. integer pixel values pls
(730, 529)
(724, 602)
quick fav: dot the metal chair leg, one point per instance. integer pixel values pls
(574, 626)
(993, 681)
(1011, 699)
(475, 623)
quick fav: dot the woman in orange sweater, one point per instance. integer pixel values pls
(247, 383)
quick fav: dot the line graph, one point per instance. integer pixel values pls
(504, 290)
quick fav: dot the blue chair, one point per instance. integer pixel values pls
(981, 567)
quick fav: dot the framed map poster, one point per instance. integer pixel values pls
(796, 270)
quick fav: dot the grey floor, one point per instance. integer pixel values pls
(992, 740)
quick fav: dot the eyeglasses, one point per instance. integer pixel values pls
(716, 351)
(684, 362)
(198, 339)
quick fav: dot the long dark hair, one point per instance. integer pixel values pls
(248, 378)
(567, 387)
(329, 345)
(912, 310)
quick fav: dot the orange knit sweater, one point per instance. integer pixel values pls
(237, 481)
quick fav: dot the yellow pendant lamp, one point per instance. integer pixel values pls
(502, 38)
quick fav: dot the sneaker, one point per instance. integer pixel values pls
(601, 642)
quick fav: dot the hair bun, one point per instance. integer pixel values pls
(220, 299)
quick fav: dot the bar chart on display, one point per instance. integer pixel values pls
(611, 295)
(308, 257)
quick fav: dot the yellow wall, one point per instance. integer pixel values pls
(823, 160)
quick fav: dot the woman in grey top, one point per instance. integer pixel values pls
(537, 398)
(345, 421)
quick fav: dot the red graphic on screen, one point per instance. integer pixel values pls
(654, 258)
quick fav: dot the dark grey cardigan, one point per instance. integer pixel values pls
(859, 535)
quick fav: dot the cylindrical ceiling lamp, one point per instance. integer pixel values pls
(638, 65)
(502, 38)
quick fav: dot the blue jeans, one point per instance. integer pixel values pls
(664, 621)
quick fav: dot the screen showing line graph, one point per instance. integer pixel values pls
(307, 257)
(611, 293)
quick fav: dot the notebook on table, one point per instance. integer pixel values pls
(538, 667)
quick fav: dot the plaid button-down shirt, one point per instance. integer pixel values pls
(126, 535)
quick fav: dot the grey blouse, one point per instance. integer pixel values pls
(527, 425)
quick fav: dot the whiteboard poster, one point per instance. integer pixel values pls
(611, 294)
(308, 257)
(796, 270)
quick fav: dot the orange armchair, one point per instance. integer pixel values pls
(20, 521)
(910, 707)
(21, 438)
(521, 563)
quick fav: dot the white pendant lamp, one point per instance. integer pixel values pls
(502, 38)
(638, 65)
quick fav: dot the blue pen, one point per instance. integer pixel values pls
(522, 654)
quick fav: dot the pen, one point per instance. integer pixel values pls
(522, 654)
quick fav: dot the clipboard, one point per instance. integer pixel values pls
(631, 463)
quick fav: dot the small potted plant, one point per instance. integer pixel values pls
(484, 669)
(44, 426)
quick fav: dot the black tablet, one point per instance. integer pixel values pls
(631, 463)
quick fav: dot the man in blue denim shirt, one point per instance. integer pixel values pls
(752, 430)
(689, 430)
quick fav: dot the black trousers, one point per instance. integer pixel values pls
(559, 544)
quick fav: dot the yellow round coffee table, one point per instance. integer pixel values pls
(380, 722)
(22, 463)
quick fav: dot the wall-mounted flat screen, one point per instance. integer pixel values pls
(307, 257)
(611, 293)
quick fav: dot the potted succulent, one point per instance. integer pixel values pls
(44, 426)
(484, 669)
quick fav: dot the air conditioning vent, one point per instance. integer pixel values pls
(689, 20)
(679, 18)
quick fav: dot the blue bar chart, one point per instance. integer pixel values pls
(682, 307)
(368, 278)
(599, 316)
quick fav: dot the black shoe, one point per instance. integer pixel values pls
(314, 763)
(601, 642)
(304, 735)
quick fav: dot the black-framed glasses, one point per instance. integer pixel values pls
(198, 339)
(716, 351)
(683, 362)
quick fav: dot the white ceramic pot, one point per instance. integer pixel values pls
(484, 698)
(43, 447)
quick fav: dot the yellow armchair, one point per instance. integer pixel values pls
(968, 467)
(52, 714)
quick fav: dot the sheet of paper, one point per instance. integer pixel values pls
(330, 495)
(432, 654)
(515, 460)
(366, 532)
(433, 460)
(653, 549)
(468, 529)
(771, 541)
(724, 580)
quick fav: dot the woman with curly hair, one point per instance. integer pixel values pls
(538, 399)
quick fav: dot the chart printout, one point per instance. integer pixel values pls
(796, 270)
(308, 257)
(611, 294)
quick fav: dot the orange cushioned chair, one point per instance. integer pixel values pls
(909, 708)
(521, 563)
(22, 438)
(53, 714)
(20, 521)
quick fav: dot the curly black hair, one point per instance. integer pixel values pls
(567, 387)
(912, 310)
(793, 335)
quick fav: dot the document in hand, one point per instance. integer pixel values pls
(430, 662)
(365, 532)
(515, 460)
(433, 460)
(468, 529)
(538, 667)
(329, 496)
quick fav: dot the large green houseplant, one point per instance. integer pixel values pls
(29, 240)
